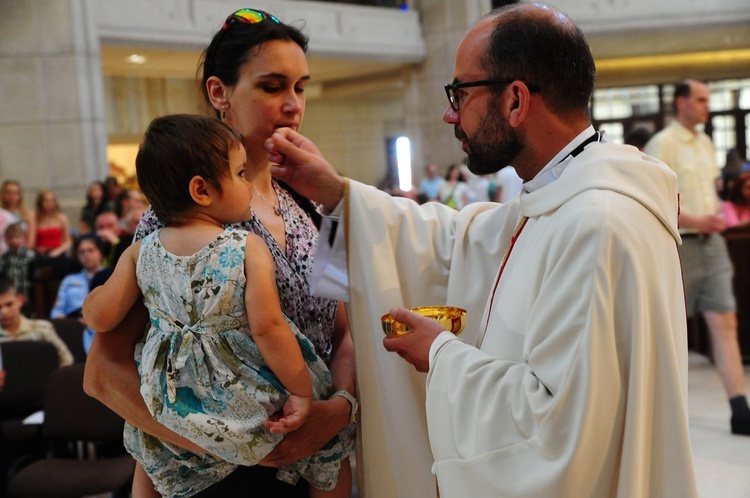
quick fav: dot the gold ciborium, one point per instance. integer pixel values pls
(451, 318)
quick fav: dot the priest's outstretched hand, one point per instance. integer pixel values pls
(415, 346)
(299, 163)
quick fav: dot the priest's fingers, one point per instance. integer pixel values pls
(415, 346)
(301, 165)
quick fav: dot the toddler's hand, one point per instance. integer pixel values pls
(296, 410)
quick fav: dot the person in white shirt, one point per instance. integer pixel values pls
(508, 184)
(707, 268)
(570, 376)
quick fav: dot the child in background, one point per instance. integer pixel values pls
(220, 358)
(16, 261)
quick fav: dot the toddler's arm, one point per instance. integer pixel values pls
(271, 332)
(107, 305)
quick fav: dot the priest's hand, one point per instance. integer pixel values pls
(299, 163)
(414, 347)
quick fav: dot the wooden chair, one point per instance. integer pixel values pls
(79, 431)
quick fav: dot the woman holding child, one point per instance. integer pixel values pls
(254, 76)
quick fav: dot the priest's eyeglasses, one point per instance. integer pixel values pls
(453, 100)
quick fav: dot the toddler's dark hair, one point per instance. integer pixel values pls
(176, 148)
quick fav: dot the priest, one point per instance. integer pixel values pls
(570, 378)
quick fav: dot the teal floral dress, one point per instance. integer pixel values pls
(203, 377)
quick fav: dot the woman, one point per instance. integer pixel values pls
(455, 192)
(737, 205)
(51, 237)
(11, 200)
(254, 76)
(95, 205)
(75, 287)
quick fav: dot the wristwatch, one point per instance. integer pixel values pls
(352, 401)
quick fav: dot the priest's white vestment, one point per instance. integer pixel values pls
(570, 378)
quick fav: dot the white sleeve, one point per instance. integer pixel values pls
(329, 277)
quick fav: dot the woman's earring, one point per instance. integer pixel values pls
(223, 112)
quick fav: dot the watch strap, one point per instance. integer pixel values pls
(352, 401)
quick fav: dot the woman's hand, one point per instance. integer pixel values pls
(327, 418)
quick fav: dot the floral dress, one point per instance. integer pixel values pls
(203, 377)
(313, 315)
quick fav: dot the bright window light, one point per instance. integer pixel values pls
(403, 159)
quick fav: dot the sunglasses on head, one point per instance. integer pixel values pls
(248, 16)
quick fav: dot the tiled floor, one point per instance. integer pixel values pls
(722, 461)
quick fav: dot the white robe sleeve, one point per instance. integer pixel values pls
(404, 254)
(329, 277)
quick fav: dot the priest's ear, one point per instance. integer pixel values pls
(518, 103)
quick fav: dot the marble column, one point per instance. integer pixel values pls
(52, 125)
(444, 23)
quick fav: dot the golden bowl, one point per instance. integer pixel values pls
(451, 318)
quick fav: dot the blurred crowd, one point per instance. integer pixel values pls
(458, 187)
(52, 259)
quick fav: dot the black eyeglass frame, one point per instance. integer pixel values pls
(450, 88)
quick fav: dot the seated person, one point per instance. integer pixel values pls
(75, 287)
(16, 327)
(114, 239)
(17, 259)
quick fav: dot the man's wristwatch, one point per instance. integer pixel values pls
(352, 401)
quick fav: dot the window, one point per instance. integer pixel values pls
(619, 110)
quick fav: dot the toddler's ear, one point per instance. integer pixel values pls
(201, 191)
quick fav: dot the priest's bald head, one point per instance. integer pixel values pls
(523, 78)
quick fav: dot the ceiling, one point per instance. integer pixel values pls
(326, 72)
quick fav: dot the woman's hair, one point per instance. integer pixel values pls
(236, 43)
(94, 239)
(4, 204)
(176, 148)
(40, 201)
(119, 207)
(102, 206)
(735, 192)
(461, 176)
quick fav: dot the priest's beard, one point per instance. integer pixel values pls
(494, 146)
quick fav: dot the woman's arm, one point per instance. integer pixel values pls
(342, 364)
(107, 305)
(327, 417)
(67, 241)
(31, 234)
